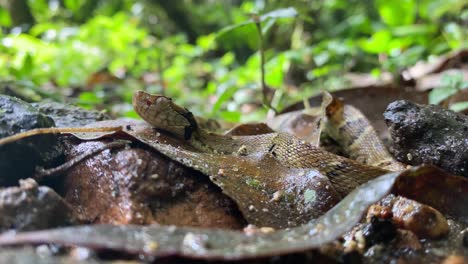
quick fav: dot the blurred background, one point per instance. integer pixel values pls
(206, 53)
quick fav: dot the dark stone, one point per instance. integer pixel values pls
(19, 159)
(69, 115)
(429, 134)
(379, 231)
(18, 116)
(31, 207)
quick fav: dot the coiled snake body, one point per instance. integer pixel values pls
(345, 174)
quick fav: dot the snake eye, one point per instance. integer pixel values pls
(148, 103)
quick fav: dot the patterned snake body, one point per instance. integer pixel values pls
(345, 174)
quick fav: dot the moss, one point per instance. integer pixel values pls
(254, 183)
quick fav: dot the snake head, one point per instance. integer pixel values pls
(162, 113)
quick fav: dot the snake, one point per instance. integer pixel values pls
(344, 174)
(358, 139)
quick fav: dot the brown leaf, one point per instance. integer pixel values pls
(267, 192)
(235, 245)
(215, 243)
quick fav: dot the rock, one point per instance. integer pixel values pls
(378, 231)
(429, 134)
(140, 186)
(421, 219)
(366, 235)
(31, 207)
(19, 159)
(69, 115)
(406, 239)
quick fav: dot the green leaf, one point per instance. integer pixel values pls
(226, 94)
(246, 32)
(207, 42)
(437, 95)
(73, 5)
(88, 98)
(458, 107)
(227, 59)
(5, 19)
(289, 12)
(397, 12)
(238, 35)
(434, 9)
(378, 43)
(464, 85)
(275, 69)
(454, 35)
(453, 79)
(131, 114)
(412, 30)
(267, 26)
(231, 116)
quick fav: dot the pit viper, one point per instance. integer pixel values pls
(345, 174)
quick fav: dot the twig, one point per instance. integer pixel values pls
(56, 130)
(42, 173)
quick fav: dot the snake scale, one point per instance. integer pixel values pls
(345, 174)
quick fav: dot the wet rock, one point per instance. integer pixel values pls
(421, 219)
(31, 207)
(403, 248)
(19, 116)
(378, 231)
(406, 239)
(429, 134)
(140, 186)
(366, 235)
(68, 115)
(18, 159)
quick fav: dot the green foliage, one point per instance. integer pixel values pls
(451, 84)
(396, 13)
(246, 32)
(458, 107)
(69, 55)
(141, 46)
(5, 19)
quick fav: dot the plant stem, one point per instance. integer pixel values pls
(161, 72)
(265, 100)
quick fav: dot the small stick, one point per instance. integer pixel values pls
(42, 173)
(56, 130)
